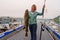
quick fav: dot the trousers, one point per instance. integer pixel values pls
(33, 30)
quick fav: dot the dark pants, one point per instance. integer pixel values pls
(33, 30)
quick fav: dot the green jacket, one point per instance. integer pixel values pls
(32, 17)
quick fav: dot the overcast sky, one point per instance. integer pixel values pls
(16, 8)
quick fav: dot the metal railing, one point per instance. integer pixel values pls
(53, 33)
(9, 33)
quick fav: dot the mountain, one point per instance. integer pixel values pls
(57, 19)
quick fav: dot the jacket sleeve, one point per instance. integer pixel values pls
(42, 11)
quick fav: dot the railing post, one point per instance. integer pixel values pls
(41, 32)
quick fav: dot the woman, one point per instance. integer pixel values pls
(32, 20)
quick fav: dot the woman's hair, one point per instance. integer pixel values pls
(34, 6)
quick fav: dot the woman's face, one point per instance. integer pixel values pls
(33, 8)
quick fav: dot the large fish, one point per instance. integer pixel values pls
(26, 18)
